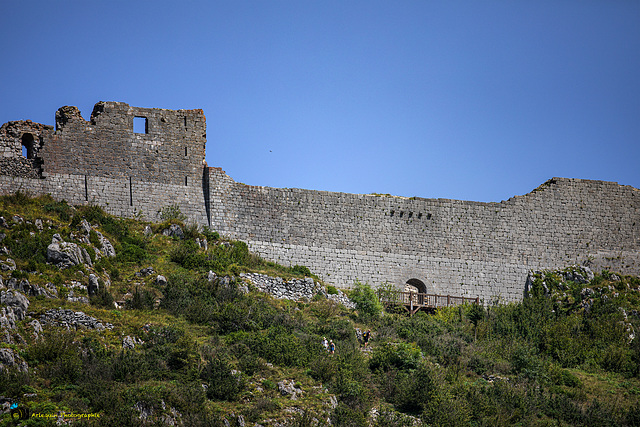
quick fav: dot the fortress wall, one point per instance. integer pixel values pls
(455, 247)
(490, 281)
(145, 199)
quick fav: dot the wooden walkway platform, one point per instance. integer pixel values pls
(413, 301)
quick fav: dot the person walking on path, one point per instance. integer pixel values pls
(325, 343)
(332, 347)
(366, 337)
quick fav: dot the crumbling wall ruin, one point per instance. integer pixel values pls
(107, 162)
(20, 145)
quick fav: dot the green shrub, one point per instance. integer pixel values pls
(102, 298)
(94, 239)
(387, 417)
(366, 300)
(249, 363)
(344, 416)
(218, 258)
(27, 247)
(19, 274)
(415, 390)
(331, 290)
(141, 300)
(445, 410)
(12, 382)
(61, 209)
(563, 341)
(131, 366)
(58, 355)
(616, 358)
(525, 362)
(269, 385)
(395, 355)
(172, 213)
(211, 236)
(323, 368)
(223, 384)
(191, 231)
(195, 297)
(94, 214)
(279, 346)
(475, 313)
(301, 270)
(187, 255)
(351, 390)
(131, 253)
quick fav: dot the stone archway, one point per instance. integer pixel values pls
(418, 284)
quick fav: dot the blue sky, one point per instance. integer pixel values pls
(450, 99)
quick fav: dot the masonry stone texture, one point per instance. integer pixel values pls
(452, 247)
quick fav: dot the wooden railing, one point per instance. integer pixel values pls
(414, 301)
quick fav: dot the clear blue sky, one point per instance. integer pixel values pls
(471, 100)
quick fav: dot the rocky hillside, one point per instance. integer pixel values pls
(107, 321)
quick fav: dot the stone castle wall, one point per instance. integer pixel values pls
(452, 247)
(103, 161)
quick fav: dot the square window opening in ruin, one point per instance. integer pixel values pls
(28, 142)
(140, 125)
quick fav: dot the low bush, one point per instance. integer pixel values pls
(102, 298)
(400, 356)
(141, 300)
(172, 213)
(415, 390)
(366, 300)
(280, 347)
(300, 270)
(223, 384)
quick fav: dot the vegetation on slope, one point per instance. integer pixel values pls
(206, 351)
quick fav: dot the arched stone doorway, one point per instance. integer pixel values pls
(417, 284)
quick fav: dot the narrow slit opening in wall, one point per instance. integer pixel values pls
(185, 181)
(185, 151)
(185, 122)
(86, 189)
(130, 192)
(140, 125)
